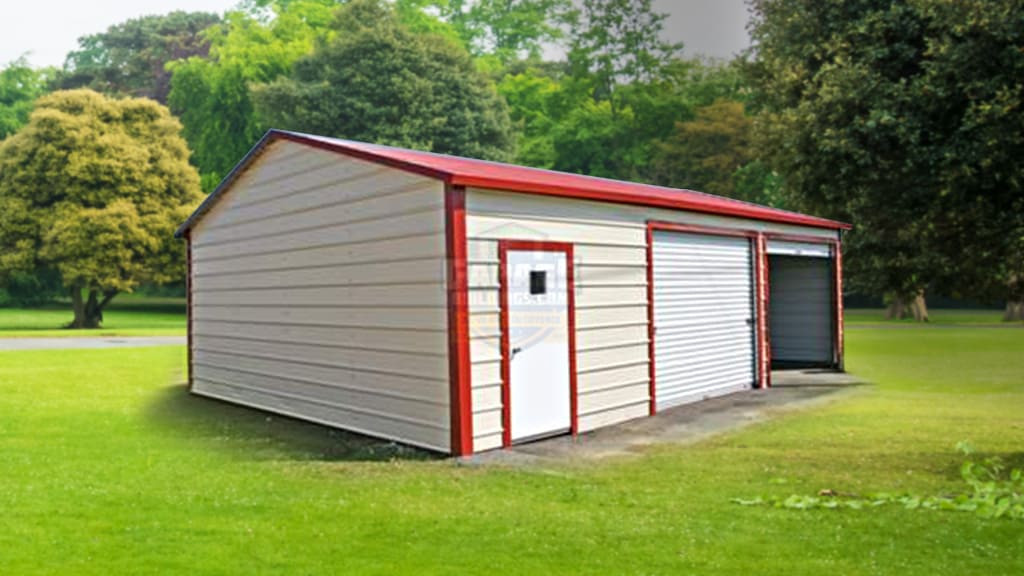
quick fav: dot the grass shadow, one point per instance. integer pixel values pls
(257, 435)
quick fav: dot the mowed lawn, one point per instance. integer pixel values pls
(127, 315)
(107, 466)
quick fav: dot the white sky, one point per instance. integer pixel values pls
(48, 29)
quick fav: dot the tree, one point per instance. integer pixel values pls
(616, 43)
(20, 85)
(93, 188)
(255, 44)
(705, 153)
(131, 58)
(904, 118)
(378, 82)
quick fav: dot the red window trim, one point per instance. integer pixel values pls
(504, 246)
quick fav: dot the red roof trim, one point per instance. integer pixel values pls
(467, 172)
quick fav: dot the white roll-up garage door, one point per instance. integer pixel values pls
(703, 316)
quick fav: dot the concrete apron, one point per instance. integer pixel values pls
(683, 424)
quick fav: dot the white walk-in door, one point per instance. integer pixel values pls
(538, 331)
(704, 329)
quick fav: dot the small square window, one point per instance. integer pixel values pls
(538, 282)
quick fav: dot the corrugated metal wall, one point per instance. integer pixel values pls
(704, 314)
(801, 315)
(611, 300)
(319, 292)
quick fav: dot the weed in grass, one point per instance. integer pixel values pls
(994, 492)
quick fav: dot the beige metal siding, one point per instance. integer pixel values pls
(320, 293)
(611, 300)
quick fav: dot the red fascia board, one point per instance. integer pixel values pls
(669, 199)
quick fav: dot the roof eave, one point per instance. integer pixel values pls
(751, 212)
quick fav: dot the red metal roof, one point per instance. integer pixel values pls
(498, 176)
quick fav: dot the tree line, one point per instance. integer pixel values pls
(902, 117)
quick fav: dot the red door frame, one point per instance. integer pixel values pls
(757, 244)
(836, 249)
(504, 246)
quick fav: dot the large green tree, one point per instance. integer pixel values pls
(93, 188)
(212, 95)
(20, 85)
(905, 118)
(131, 58)
(379, 82)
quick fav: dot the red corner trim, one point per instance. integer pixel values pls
(188, 304)
(461, 407)
(764, 350)
(504, 246)
(840, 344)
(651, 384)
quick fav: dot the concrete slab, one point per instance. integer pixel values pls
(681, 425)
(14, 344)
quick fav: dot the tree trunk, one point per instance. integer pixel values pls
(89, 313)
(920, 307)
(1014, 311)
(896, 309)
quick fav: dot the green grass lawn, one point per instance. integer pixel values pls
(127, 315)
(107, 466)
(856, 316)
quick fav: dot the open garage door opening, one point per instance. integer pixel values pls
(802, 306)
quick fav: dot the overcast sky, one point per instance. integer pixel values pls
(48, 29)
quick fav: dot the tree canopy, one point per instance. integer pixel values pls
(376, 81)
(93, 189)
(20, 85)
(131, 58)
(903, 117)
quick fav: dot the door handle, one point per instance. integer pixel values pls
(516, 351)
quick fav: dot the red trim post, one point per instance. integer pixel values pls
(188, 305)
(461, 407)
(764, 351)
(840, 350)
(651, 329)
(504, 246)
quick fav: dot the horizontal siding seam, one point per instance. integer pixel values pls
(619, 406)
(332, 405)
(377, 171)
(392, 216)
(293, 360)
(336, 326)
(322, 384)
(439, 234)
(327, 265)
(407, 189)
(324, 422)
(609, 325)
(615, 366)
(605, 347)
(615, 386)
(326, 306)
(327, 285)
(200, 335)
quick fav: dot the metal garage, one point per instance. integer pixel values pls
(462, 305)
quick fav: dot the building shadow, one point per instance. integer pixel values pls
(257, 435)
